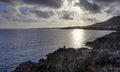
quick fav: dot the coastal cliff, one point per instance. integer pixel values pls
(104, 57)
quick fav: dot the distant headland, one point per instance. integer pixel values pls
(110, 24)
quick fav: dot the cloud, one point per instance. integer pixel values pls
(46, 3)
(42, 14)
(7, 1)
(100, 6)
(57, 11)
(89, 6)
(12, 2)
(106, 1)
(109, 6)
(51, 3)
(113, 11)
(11, 14)
(67, 15)
(90, 19)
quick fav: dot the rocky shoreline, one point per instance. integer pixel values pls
(110, 41)
(104, 57)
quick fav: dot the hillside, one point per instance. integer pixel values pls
(110, 23)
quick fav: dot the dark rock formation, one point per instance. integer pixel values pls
(108, 69)
(62, 60)
(118, 29)
(104, 57)
(27, 67)
(72, 60)
(110, 41)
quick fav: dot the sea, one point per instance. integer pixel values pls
(20, 45)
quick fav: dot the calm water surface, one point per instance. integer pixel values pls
(17, 46)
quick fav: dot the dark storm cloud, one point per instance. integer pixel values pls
(89, 6)
(96, 6)
(49, 3)
(5, 0)
(67, 15)
(106, 1)
(42, 14)
(11, 14)
(113, 11)
(109, 6)
(12, 2)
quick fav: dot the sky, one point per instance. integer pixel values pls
(55, 13)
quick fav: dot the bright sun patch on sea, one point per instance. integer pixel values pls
(77, 37)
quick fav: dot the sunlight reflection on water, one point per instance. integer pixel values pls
(78, 37)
